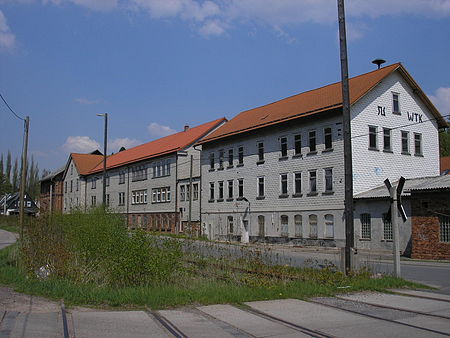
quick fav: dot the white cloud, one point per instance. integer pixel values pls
(7, 38)
(83, 100)
(212, 28)
(116, 144)
(441, 100)
(157, 130)
(80, 144)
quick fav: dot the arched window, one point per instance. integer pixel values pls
(313, 226)
(261, 226)
(298, 226)
(329, 226)
(284, 226)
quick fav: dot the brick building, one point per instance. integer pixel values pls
(51, 197)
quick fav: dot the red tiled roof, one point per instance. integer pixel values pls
(159, 147)
(445, 163)
(86, 162)
(312, 102)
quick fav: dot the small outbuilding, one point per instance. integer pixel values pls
(10, 205)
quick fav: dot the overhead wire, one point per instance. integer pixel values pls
(10, 109)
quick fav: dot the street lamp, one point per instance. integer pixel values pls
(105, 142)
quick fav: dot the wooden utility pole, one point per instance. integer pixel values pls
(105, 149)
(348, 168)
(23, 178)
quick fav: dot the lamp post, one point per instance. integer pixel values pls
(105, 145)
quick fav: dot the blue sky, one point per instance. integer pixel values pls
(155, 65)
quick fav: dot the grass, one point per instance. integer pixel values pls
(9, 223)
(193, 287)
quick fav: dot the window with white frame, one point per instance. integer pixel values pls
(161, 195)
(230, 158)
(284, 226)
(121, 198)
(313, 182)
(78, 184)
(182, 193)
(261, 186)
(373, 137)
(283, 146)
(313, 226)
(211, 191)
(260, 151)
(387, 146)
(241, 155)
(94, 183)
(195, 188)
(71, 185)
(230, 189)
(444, 228)
(220, 190)
(328, 179)
(312, 141)
(138, 173)
(188, 192)
(418, 144)
(160, 169)
(387, 228)
(329, 226)
(240, 187)
(405, 142)
(328, 138)
(211, 161)
(297, 144)
(366, 226)
(122, 177)
(221, 155)
(283, 184)
(139, 196)
(230, 222)
(298, 225)
(298, 183)
(93, 201)
(396, 103)
(71, 169)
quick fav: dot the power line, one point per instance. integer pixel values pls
(11, 110)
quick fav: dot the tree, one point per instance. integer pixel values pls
(444, 143)
(1, 164)
(5, 186)
(8, 167)
(15, 175)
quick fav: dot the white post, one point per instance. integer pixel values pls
(395, 232)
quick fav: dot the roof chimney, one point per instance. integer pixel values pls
(378, 62)
(186, 127)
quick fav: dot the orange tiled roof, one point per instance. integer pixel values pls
(445, 163)
(159, 147)
(86, 162)
(312, 102)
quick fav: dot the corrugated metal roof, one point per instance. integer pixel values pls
(412, 184)
(53, 174)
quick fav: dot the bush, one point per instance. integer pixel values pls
(95, 247)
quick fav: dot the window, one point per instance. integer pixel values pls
(182, 193)
(211, 161)
(159, 195)
(283, 146)
(221, 154)
(241, 187)
(122, 176)
(444, 228)
(121, 198)
(167, 163)
(262, 226)
(71, 169)
(312, 141)
(65, 186)
(94, 183)
(387, 228)
(395, 103)
(329, 226)
(405, 142)
(417, 144)
(230, 189)
(160, 168)
(328, 135)
(328, 179)
(188, 192)
(107, 199)
(260, 151)
(139, 173)
(297, 184)
(211, 191)
(261, 186)
(220, 190)
(313, 181)
(78, 184)
(230, 158)
(387, 139)
(107, 181)
(366, 231)
(284, 226)
(195, 191)
(71, 185)
(283, 184)
(313, 226)
(230, 222)
(373, 137)
(298, 144)
(93, 201)
(241, 155)
(139, 197)
(298, 226)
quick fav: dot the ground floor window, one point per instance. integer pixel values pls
(313, 226)
(298, 225)
(444, 227)
(284, 226)
(366, 232)
(329, 226)
(387, 228)
(261, 224)
(230, 224)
